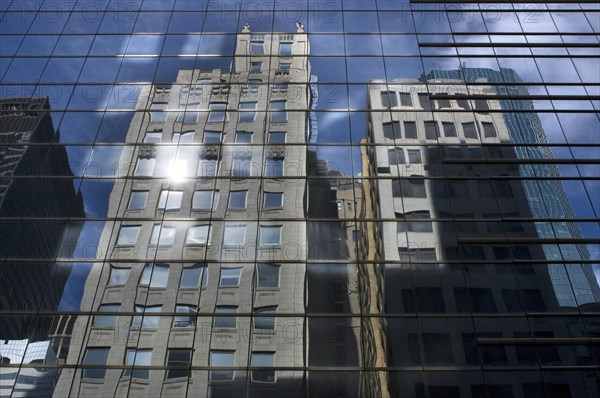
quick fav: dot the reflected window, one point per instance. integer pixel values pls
(197, 235)
(234, 235)
(389, 99)
(180, 359)
(274, 167)
(392, 131)
(134, 358)
(285, 49)
(183, 138)
(205, 200)
(207, 167)
(278, 111)
(188, 116)
(263, 359)
(247, 111)
(482, 106)
(170, 200)
(162, 235)
(257, 47)
(482, 300)
(237, 199)
(276, 137)
(193, 275)
(153, 137)
(107, 320)
(280, 87)
(212, 137)
(268, 275)
(264, 318)
(128, 235)
(431, 130)
(462, 103)
(438, 348)
(449, 129)
(409, 188)
(424, 101)
(416, 255)
(255, 67)
(512, 300)
(443, 102)
(414, 156)
(218, 112)
(225, 321)
(396, 156)
(156, 112)
(118, 276)
(145, 167)
(137, 200)
(410, 130)
(469, 130)
(270, 235)
(405, 99)
(489, 130)
(285, 66)
(155, 275)
(414, 225)
(97, 357)
(241, 166)
(243, 137)
(221, 358)
(430, 299)
(188, 317)
(146, 321)
(273, 199)
(230, 276)
(458, 188)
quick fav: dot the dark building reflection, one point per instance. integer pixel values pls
(331, 284)
(35, 184)
(464, 259)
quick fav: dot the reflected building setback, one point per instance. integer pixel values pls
(457, 240)
(207, 291)
(31, 281)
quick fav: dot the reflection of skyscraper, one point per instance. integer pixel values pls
(27, 134)
(29, 150)
(574, 284)
(190, 244)
(462, 263)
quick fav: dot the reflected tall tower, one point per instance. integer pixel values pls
(29, 151)
(208, 244)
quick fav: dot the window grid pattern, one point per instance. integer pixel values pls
(416, 179)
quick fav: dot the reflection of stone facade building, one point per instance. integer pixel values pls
(458, 249)
(232, 246)
(26, 132)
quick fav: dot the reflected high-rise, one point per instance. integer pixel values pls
(224, 151)
(31, 281)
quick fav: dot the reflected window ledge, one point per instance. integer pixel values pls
(88, 380)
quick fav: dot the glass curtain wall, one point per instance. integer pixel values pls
(333, 198)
